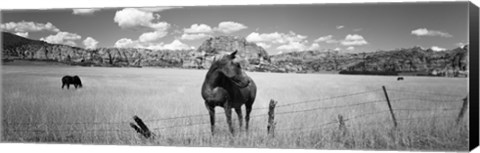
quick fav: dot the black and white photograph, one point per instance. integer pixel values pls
(354, 76)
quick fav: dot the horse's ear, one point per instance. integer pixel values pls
(232, 55)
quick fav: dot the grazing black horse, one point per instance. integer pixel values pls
(75, 80)
(399, 78)
(227, 86)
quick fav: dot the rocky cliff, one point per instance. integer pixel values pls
(253, 58)
(249, 53)
(15, 47)
(414, 59)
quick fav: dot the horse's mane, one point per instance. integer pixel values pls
(215, 61)
(212, 68)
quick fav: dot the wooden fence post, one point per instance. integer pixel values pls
(341, 122)
(390, 107)
(271, 118)
(462, 110)
(341, 125)
(141, 128)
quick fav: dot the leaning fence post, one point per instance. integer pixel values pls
(462, 110)
(390, 107)
(271, 117)
(141, 128)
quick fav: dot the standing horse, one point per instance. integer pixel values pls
(227, 86)
(75, 80)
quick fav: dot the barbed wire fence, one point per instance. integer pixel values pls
(394, 98)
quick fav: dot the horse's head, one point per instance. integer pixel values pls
(76, 80)
(230, 68)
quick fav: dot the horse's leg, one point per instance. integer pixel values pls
(211, 112)
(247, 116)
(228, 114)
(63, 85)
(240, 116)
(68, 86)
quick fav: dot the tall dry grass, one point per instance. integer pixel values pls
(36, 109)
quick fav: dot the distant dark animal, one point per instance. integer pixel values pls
(399, 78)
(227, 86)
(75, 80)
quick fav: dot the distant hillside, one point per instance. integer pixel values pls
(14, 40)
(414, 60)
(16, 47)
(396, 61)
(253, 58)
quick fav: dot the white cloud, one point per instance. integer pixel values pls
(131, 17)
(436, 48)
(127, 43)
(461, 44)
(340, 27)
(426, 32)
(354, 39)
(24, 26)
(351, 48)
(177, 45)
(174, 45)
(187, 36)
(331, 41)
(328, 39)
(84, 11)
(152, 36)
(292, 46)
(198, 28)
(90, 43)
(276, 37)
(196, 31)
(337, 49)
(65, 38)
(264, 45)
(22, 34)
(292, 37)
(289, 41)
(298, 46)
(160, 26)
(323, 38)
(230, 26)
(265, 37)
(314, 46)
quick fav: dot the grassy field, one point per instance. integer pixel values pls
(36, 109)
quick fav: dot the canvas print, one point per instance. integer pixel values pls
(372, 76)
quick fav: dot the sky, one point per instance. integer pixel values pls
(277, 28)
